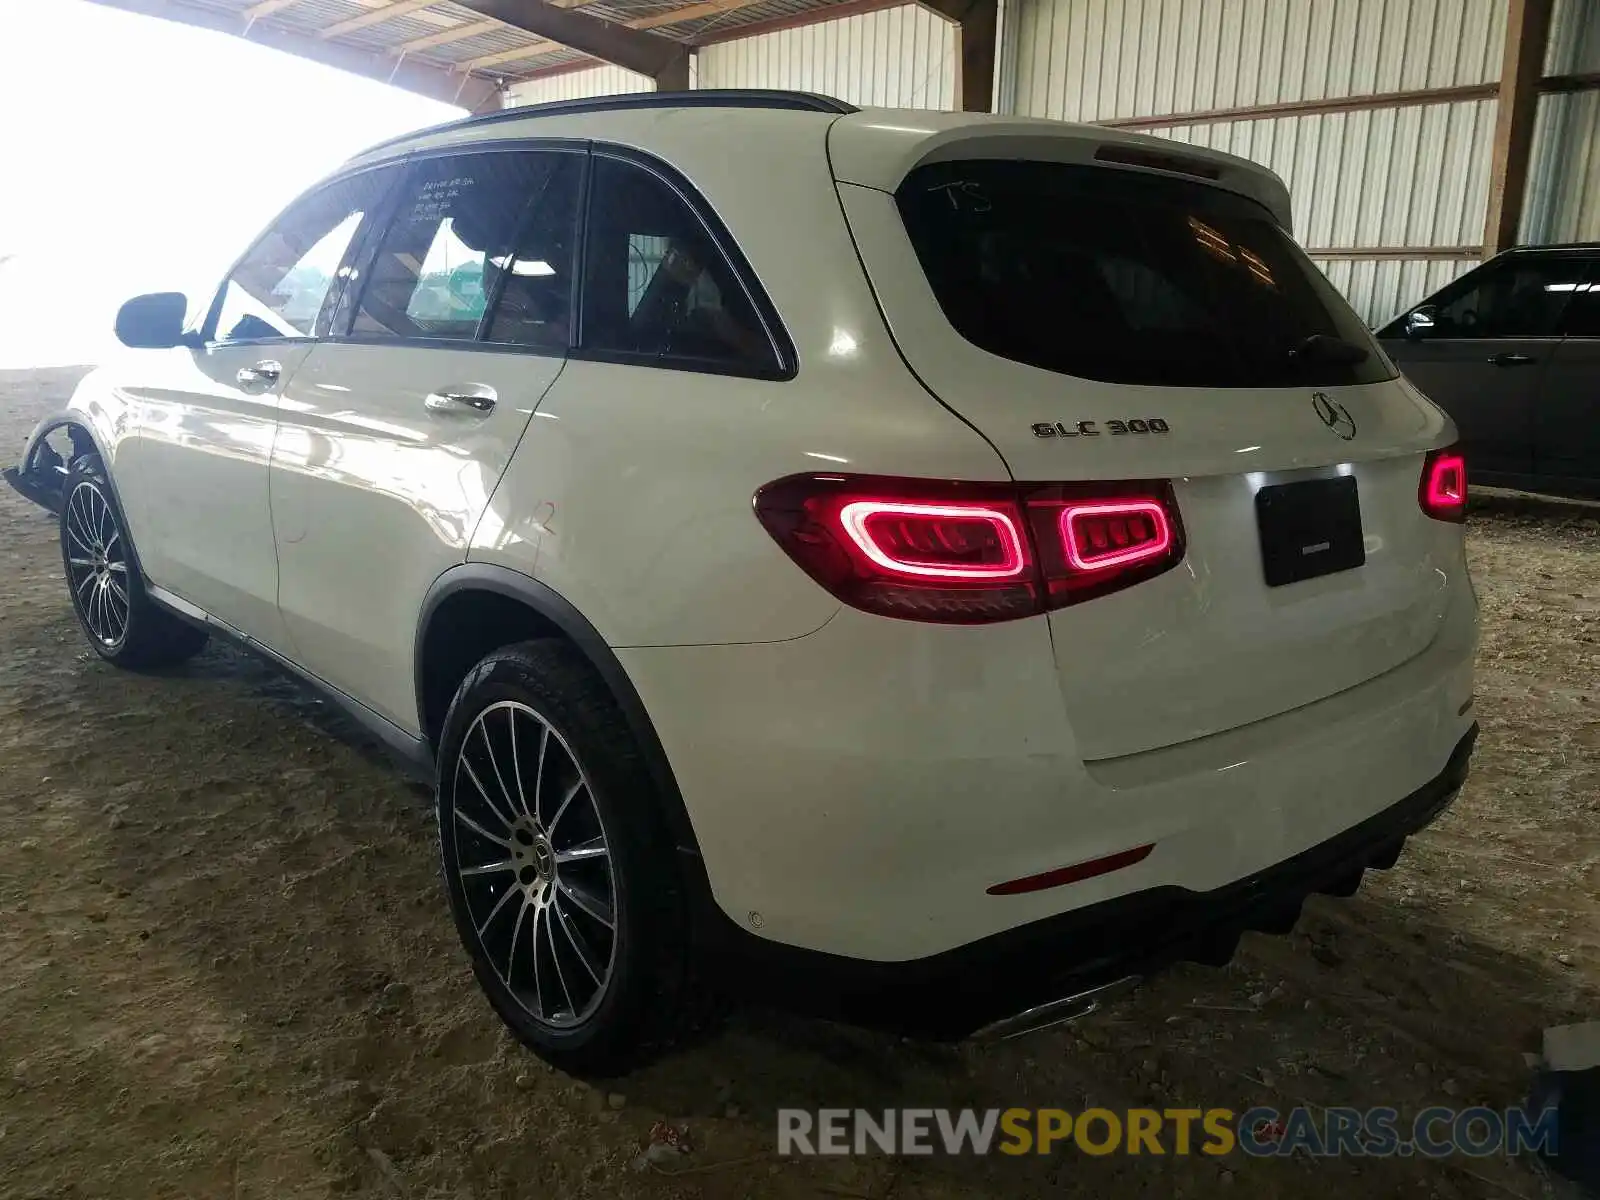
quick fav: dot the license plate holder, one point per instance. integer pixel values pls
(1309, 529)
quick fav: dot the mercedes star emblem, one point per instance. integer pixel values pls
(1334, 415)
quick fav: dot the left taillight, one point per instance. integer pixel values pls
(967, 553)
(1443, 490)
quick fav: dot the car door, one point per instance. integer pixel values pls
(395, 431)
(206, 413)
(1493, 335)
(1566, 448)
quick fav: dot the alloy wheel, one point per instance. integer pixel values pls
(97, 564)
(533, 861)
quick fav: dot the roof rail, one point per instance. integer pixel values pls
(702, 98)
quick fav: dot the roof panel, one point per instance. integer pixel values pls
(484, 43)
(544, 62)
(725, 22)
(394, 32)
(311, 16)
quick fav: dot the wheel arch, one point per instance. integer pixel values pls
(552, 615)
(34, 475)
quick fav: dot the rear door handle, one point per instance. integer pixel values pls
(260, 377)
(470, 399)
(1512, 360)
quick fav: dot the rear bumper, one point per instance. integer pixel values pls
(952, 994)
(859, 792)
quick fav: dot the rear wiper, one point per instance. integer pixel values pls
(1326, 348)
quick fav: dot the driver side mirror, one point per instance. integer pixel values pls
(1419, 322)
(152, 322)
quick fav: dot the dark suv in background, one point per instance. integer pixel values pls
(1511, 351)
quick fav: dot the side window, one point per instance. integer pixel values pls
(1521, 297)
(1582, 317)
(656, 284)
(284, 287)
(533, 279)
(454, 231)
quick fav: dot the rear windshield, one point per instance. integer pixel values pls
(1120, 276)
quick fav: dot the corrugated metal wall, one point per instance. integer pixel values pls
(580, 85)
(1093, 60)
(1564, 186)
(1390, 177)
(897, 57)
(1387, 177)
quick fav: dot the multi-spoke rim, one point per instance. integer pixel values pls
(534, 864)
(97, 565)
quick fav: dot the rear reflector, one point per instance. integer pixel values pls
(1073, 874)
(966, 553)
(1443, 490)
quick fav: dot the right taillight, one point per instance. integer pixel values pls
(1443, 490)
(967, 553)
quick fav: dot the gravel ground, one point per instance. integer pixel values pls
(226, 967)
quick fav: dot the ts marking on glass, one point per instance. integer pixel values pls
(1047, 429)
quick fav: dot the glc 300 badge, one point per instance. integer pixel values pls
(1047, 429)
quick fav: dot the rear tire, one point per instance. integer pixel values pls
(114, 610)
(559, 868)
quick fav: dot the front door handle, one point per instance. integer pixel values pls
(1512, 360)
(262, 377)
(479, 400)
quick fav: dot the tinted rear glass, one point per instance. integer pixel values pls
(1130, 278)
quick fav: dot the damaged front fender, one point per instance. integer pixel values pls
(42, 471)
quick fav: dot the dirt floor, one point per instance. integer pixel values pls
(226, 969)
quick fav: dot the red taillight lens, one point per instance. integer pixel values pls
(1443, 491)
(963, 553)
(1117, 533)
(936, 541)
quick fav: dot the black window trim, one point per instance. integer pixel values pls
(1396, 329)
(369, 237)
(785, 357)
(1592, 281)
(341, 335)
(352, 253)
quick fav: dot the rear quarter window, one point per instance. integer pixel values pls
(1127, 277)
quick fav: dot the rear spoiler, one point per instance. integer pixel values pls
(878, 148)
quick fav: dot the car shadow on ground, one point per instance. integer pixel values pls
(335, 951)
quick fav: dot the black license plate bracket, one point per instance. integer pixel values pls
(1309, 529)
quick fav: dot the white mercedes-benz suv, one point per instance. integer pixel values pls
(925, 568)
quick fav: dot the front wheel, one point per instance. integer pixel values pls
(560, 873)
(116, 614)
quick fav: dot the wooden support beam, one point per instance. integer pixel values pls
(1588, 81)
(465, 91)
(1301, 108)
(1398, 253)
(493, 102)
(674, 77)
(977, 35)
(646, 53)
(444, 37)
(675, 16)
(1527, 36)
(376, 16)
(531, 50)
(264, 7)
(809, 16)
